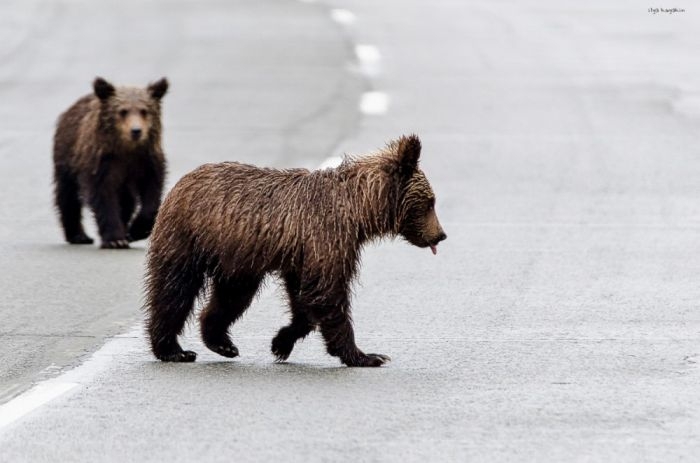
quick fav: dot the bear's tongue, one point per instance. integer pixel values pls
(434, 249)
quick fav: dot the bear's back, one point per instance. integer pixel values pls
(241, 209)
(70, 125)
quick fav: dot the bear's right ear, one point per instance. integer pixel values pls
(103, 89)
(408, 152)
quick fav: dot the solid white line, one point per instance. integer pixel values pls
(45, 391)
(333, 161)
(374, 103)
(31, 400)
(344, 17)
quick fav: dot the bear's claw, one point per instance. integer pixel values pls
(115, 244)
(226, 350)
(368, 360)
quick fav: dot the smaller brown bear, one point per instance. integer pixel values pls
(233, 223)
(108, 155)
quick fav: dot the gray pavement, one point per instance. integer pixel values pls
(559, 321)
(249, 81)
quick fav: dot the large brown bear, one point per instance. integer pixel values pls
(233, 223)
(108, 155)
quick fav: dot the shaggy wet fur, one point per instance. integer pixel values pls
(108, 155)
(231, 224)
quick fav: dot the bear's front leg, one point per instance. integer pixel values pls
(105, 206)
(338, 333)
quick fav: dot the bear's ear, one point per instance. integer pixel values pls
(158, 88)
(103, 89)
(408, 152)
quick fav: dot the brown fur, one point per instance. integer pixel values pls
(233, 223)
(108, 155)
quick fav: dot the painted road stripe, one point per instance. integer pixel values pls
(374, 103)
(333, 161)
(367, 53)
(46, 391)
(368, 58)
(31, 400)
(344, 17)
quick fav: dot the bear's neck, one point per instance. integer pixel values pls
(373, 195)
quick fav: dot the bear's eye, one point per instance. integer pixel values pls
(144, 113)
(123, 113)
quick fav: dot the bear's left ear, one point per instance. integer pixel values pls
(408, 152)
(158, 88)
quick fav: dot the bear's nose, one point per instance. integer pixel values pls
(135, 133)
(442, 236)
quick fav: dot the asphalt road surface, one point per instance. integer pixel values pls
(559, 322)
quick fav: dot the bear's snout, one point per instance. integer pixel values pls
(441, 237)
(136, 133)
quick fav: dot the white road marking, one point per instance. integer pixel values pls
(344, 17)
(31, 400)
(368, 58)
(367, 53)
(374, 103)
(46, 391)
(333, 161)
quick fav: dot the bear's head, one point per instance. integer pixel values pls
(131, 113)
(417, 221)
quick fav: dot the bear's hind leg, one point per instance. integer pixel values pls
(299, 328)
(69, 208)
(229, 299)
(171, 288)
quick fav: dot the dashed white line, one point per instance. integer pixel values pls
(367, 53)
(345, 17)
(333, 161)
(368, 58)
(374, 103)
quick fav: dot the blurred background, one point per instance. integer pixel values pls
(559, 321)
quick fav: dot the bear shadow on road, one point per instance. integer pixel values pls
(64, 248)
(248, 367)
